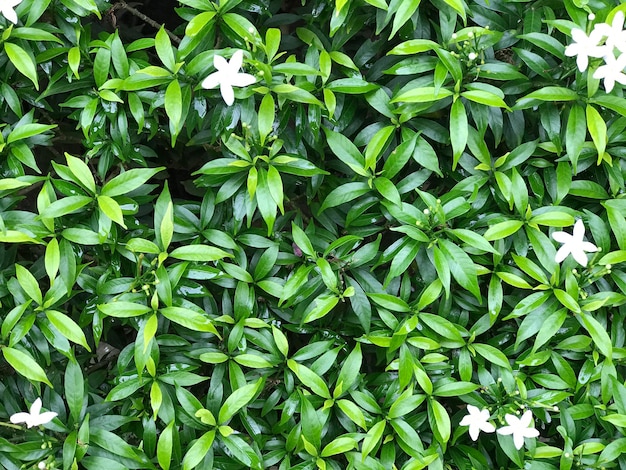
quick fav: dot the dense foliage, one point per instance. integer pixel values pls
(369, 234)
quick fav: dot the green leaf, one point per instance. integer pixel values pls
(373, 437)
(296, 94)
(388, 190)
(128, 181)
(199, 253)
(442, 327)
(351, 86)
(485, 97)
(588, 189)
(413, 46)
(346, 151)
(198, 450)
(376, 146)
(22, 61)
(237, 400)
(503, 229)
(549, 328)
(454, 389)
(406, 403)
(567, 300)
(461, 267)
(25, 131)
(600, 337)
(458, 131)
(81, 236)
(597, 130)
(74, 389)
(242, 27)
(310, 379)
(111, 209)
(68, 328)
(493, 355)
(242, 451)
(164, 50)
(390, 302)
(101, 66)
(25, 365)
(122, 309)
(404, 12)
(575, 134)
(198, 22)
(165, 446)
(339, 445)
(353, 412)
(344, 193)
(320, 307)
(350, 370)
(28, 282)
(549, 93)
(439, 421)
(141, 245)
(265, 201)
(473, 239)
(189, 319)
(174, 109)
(65, 206)
(266, 117)
(422, 95)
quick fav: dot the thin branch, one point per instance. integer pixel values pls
(122, 5)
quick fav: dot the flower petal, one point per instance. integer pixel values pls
(20, 418)
(220, 63)
(9, 14)
(35, 408)
(212, 81)
(242, 79)
(518, 440)
(580, 257)
(531, 432)
(487, 427)
(582, 61)
(589, 247)
(506, 430)
(562, 253)
(236, 61)
(44, 418)
(526, 419)
(562, 237)
(227, 93)
(579, 230)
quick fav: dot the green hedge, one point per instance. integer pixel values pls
(361, 234)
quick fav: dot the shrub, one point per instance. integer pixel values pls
(298, 235)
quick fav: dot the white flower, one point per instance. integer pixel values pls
(472, 56)
(612, 71)
(477, 420)
(519, 427)
(574, 244)
(228, 76)
(615, 34)
(585, 47)
(34, 417)
(7, 8)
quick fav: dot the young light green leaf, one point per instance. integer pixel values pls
(28, 282)
(68, 328)
(237, 400)
(22, 61)
(24, 364)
